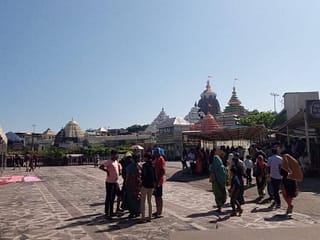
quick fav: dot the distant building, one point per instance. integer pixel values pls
(295, 101)
(32, 140)
(47, 140)
(301, 129)
(169, 136)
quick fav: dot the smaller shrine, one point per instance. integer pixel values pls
(207, 124)
(194, 115)
(153, 127)
(232, 113)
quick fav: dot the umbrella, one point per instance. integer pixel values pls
(136, 147)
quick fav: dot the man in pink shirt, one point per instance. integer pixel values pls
(113, 168)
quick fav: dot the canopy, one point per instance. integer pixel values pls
(298, 120)
(224, 134)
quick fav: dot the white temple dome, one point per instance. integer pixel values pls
(73, 130)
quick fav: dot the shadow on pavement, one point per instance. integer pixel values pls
(88, 220)
(206, 214)
(220, 219)
(83, 217)
(96, 204)
(186, 176)
(118, 222)
(278, 217)
(256, 200)
(256, 210)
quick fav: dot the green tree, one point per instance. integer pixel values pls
(137, 128)
(259, 118)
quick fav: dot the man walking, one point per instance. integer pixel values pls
(274, 166)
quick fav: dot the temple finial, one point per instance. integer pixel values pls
(208, 87)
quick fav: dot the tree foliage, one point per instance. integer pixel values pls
(259, 118)
(137, 128)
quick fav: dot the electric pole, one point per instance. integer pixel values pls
(274, 95)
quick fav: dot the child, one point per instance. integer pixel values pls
(234, 192)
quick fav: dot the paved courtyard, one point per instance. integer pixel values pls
(69, 203)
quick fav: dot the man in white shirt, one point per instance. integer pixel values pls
(274, 165)
(249, 165)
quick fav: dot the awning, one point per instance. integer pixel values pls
(224, 134)
(297, 122)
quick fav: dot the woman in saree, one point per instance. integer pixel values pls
(133, 187)
(218, 179)
(291, 172)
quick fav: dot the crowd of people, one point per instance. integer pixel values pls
(274, 166)
(29, 161)
(229, 172)
(276, 172)
(140, 180)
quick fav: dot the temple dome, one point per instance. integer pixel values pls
(207, 92)
(73, 130)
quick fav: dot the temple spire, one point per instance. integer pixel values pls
(208, 87)
(234, 99)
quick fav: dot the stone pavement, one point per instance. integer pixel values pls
(69, 204)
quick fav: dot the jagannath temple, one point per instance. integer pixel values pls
(209, 102)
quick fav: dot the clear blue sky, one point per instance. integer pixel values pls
(117, 63)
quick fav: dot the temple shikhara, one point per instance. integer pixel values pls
(209, 102)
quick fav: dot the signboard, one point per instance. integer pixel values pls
(313, 111)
